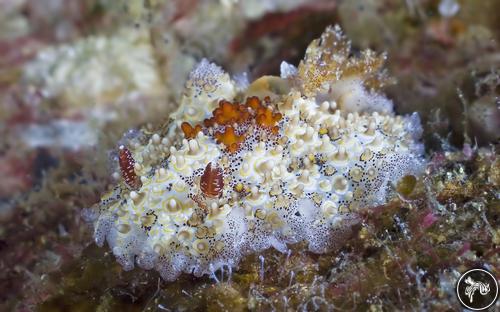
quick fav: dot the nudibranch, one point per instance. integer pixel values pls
(239, 170)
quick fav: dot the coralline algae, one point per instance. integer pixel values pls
(236, 171)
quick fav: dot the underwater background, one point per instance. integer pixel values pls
(79, 77)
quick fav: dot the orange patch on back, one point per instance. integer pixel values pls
(228, 113)
(253, 102)
(264, 115)
(231, 115)
(189, 131)
(266, 118)
(230, 139)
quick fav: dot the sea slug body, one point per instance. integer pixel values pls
(239, 171)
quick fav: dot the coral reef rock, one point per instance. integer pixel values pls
(236, 171)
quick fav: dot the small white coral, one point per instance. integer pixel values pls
(252, 173)
(96, 70)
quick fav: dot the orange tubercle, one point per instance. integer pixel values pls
(275, 130)
(229, 113)
(189, 131)
(253, 102)
(230, 139)
(266, 118)
(264, 115)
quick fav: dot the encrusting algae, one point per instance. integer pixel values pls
(237, 171)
